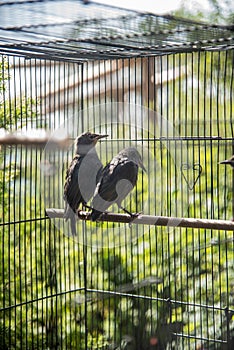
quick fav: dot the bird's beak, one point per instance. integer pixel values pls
(98, 137)
(226, 161)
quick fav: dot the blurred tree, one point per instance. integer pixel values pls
(216, 11)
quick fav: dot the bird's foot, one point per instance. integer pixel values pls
(83, 215)
(86, 206)
(133, 217)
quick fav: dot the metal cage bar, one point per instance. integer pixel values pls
(113, 285)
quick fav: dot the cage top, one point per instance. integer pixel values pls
(78, 31)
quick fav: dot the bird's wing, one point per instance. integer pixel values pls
(72, 194)
(118, 171)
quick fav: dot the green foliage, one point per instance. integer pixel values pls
(4, 76)
(13, 110)
(17, 111)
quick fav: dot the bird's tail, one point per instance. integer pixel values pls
(73, 225)
(69, 214)
(95, 215)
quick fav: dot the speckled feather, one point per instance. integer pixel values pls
(82, 176)
(118, 179)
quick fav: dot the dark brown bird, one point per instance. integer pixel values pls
(117, 179)
(82, 175)
(228, 161)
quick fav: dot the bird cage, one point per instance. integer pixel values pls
(163, 85)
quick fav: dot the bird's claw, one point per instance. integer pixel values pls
(83, 215)
(133, 217)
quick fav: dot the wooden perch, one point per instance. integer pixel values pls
(151, 220)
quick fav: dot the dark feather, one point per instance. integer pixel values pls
(118, 178)
(81, 176)
(72, 194)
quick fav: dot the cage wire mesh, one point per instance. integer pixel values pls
(169, 93)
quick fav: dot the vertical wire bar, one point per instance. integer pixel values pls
(59, 285)
(64, 92)
(21, 210)
(63, 277)
(117, 95)
(100, 83)
(23, 100)
(67, 88)
(11, 205)
(42, 225)
(42, 271)
(58, 104)
(195, 244)
(219, 70)
(114, 92)
(214, 86)
(128, 64)
(159, 231)
(213, 160)
(99, 65)
(151, 259)
(206, 132)
(24, 260)
(95, 124)
(46, 108)
(228, 337)
(73, 93)
(75, 247)
(178, 212)
(84, 238)
(32, 279)
(186, 232)
(46, 272)
(57, 276)
(222, 131)
(231, 125)
(46, 307)
(11, 275)
(37, 200)
(197, 132)
(68, 103)
(196, 101)
(39, 88)
(122, 90)
(186, 84)
(213, 102)
(15, 195)
(4, 84)
(18, 262)
(207, 68)
(28, 98)
(4, 236)
(107, 84)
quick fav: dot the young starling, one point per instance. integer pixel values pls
(82, 175)
(228, 161)
(117, 179)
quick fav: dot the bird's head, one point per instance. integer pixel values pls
(132, 154)
(85, 142)
(228, 161)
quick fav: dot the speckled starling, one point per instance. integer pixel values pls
(82, 175)
(117, 179)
